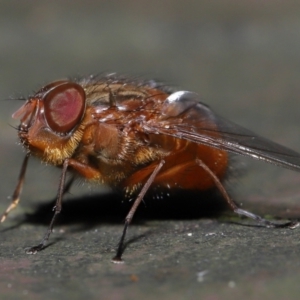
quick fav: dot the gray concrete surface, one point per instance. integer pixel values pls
(243, 58)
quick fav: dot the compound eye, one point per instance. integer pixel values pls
(51, 85)
(64, 106)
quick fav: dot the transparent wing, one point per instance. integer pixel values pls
(199, 124)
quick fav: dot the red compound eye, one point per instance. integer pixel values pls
(51, 85)
(64, 106)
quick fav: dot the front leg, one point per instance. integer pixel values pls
(83, 170)
(16, 195)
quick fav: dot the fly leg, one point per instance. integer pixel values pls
(17, 192)
(238, 210)
(57, 210)
(128, 219)
(83, 169)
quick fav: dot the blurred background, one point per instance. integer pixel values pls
(242, 57)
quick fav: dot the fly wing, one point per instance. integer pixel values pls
(197, 123)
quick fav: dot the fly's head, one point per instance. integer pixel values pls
(51, 121)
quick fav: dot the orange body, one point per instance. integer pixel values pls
(110, 143)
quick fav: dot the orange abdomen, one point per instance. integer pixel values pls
(181, 169)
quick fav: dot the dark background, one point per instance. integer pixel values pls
(243, 59)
